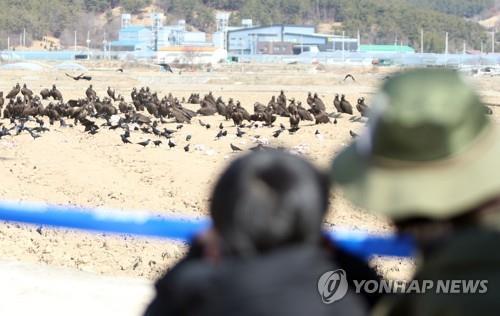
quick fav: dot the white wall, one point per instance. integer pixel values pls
(194, 37)
(194, 58)
(143, 34)
(218, 39)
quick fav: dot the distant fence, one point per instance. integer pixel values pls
(125, 222)
(327, 58)
(11, 56)
(384, 58)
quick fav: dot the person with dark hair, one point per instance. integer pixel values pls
(429, 161)
(265, 252)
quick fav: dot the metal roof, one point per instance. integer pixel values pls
(268, 26)
(310, 35)
(264, 34)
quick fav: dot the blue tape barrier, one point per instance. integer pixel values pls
(125, 222)
(367, 245)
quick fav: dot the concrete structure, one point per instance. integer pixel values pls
(171, 35)
(157, 23)
(126, 19)
(245, 40)
(246, 23)
(220, 36)
(194, 38)
(143, 38)
(219, 39)
(132, 38)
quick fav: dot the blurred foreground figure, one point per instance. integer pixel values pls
(430, 160)
(266, 251)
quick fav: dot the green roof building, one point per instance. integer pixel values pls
(385, 49)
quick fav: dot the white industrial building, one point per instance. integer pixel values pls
(132, 38)
(147, 38)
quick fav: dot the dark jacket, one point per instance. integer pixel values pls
(470, 255)
(282, 282)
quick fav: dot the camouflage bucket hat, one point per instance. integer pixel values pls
(429, 150)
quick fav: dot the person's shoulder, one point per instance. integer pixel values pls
(462, 253)
(469, 258)
(190, 266)
(357, 270)
(185, 282)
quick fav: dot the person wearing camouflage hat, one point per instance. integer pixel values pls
(429, 160)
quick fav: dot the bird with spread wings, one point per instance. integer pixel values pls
(80, 77)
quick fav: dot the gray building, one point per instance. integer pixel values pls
(245, 40)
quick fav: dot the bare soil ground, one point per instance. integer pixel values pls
(67, 166)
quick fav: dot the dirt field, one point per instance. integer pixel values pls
(67, 166)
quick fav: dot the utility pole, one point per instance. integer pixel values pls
(104, 44)
(88, 44)
(421, 41)
(104, 47)
(343, 45)
(75, 42)
(359, 40)
(24, 37)
(8, 42)
(446, 44)
(493, 42)
(465, 48)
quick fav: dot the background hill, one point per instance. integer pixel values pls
(461, 8)
(380, 21)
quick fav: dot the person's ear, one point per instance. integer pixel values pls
(211, 244)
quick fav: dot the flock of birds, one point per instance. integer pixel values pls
(25, 106)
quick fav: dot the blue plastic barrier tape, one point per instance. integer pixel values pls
(125, 222)
(122, 222)
(368, 245)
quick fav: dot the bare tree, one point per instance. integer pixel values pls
(190, 56)
(89, 23)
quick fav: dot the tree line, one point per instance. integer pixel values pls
(378, 21)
